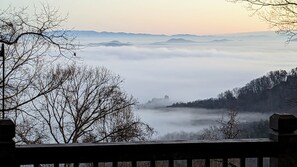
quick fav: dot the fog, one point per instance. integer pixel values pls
(169, 120)
(209, 65)
(188, 72)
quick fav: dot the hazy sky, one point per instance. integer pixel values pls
(153, 16)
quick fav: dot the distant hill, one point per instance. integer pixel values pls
(179, 40)
(188, 36)
(83, 33)
(221, 40)
(273, 92)
(111, 43)
(105, 34)
(174, 41)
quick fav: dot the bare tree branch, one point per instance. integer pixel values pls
(55, 103)
(45, 25)
(279, 14)
(89, 103)
(30, 40)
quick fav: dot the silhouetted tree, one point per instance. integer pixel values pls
(61, 104)
(32, 43)
(89, 106)
(229, 126)
(281, 14)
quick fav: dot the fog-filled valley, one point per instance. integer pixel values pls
(148, 83)
(186, 68)
(187, 120)
(188, 71)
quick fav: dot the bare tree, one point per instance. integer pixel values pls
(61, 104)
(89, 106)
(230, 127)
(28, 130)
(44, 25)
(227, 128)
(32, 42)
(280, 14)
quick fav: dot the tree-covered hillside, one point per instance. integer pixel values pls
(274, 92)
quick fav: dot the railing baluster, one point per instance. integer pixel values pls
(95, 164)
(225, 162)
(153, 163)
(171, 163)
(260, 162)
(242, 162)
(207, 162)
(134, 163)
(115, 164)
(189, 163)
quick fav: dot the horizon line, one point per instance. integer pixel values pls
(145, 33)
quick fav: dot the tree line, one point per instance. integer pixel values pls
(273, 92)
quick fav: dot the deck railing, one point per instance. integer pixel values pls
(280, 148)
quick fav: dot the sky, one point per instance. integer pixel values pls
(152, 16)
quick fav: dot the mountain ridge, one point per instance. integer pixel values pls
(93, 33)
(274, 92)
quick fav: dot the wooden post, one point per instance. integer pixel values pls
(283, 131)
(7, 145)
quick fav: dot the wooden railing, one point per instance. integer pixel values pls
(280, 148)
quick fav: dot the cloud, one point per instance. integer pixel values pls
(187, 74)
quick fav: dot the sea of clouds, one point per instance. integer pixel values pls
(188, 73)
